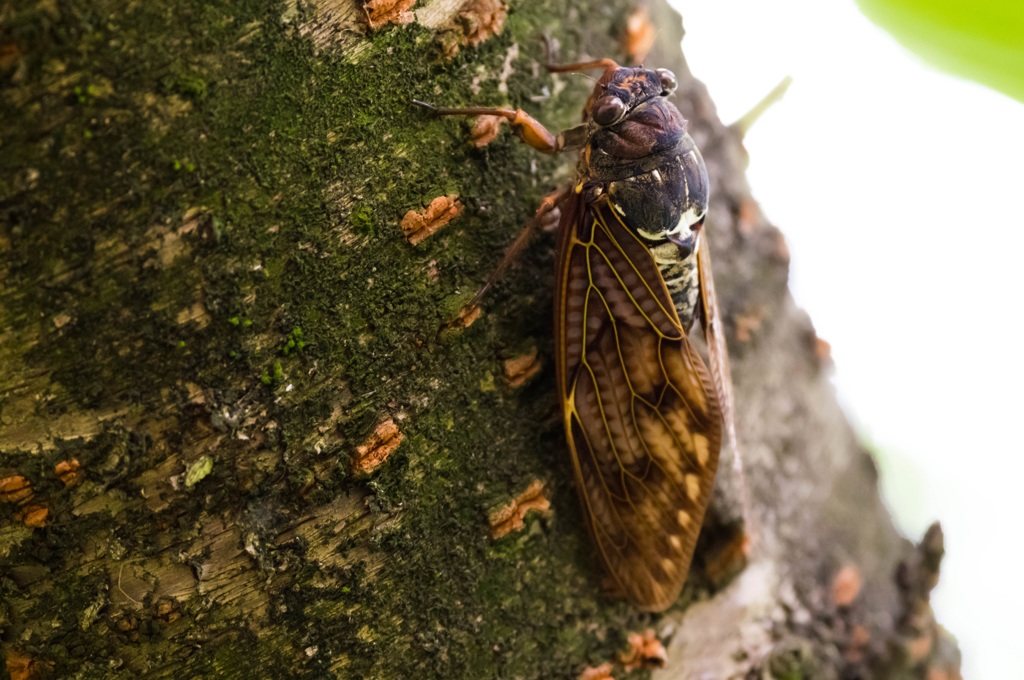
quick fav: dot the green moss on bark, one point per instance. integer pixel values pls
(170, 171)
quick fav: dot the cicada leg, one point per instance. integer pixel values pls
(530, 131)
(582, 66)
(525, 126)
(544, 213)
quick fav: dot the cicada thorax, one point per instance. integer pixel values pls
(648, 172)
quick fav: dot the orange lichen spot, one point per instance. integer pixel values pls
(822, 352)
(846, 585)
(637, 35)
(521, 369)
(69, 471)
(23, 667)
(919, 648)
(10, 53)
(380, 13)
(167, 610)
(475, 22)
(748, 323)
(34, 515)
(485, 129)
(467, 316)
(418, 225)
(780, 249)
(509, 518)
(378, 446)
(602, 672)
(480, 19)
(645, 651)
(749, 216)
(860, 636)
(127, 622)
(15, 489)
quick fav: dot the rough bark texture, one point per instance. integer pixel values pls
(233, 443)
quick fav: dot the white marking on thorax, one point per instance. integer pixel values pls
(650, 235)
(687, 220)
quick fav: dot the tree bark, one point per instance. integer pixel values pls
(233, 442)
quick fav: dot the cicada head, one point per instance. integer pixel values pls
(621, 89)
(628, 114)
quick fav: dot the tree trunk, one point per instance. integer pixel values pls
(233, 442)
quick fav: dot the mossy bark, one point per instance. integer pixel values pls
(208, 306)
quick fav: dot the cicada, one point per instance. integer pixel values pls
(644, 415)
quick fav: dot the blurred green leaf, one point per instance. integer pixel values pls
(981, 40)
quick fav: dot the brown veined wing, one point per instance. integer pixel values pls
(641, 413)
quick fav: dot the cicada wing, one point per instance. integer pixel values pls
(718, 356)
(641, 412)
(714, 334)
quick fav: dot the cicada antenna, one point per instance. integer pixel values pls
(551, 53)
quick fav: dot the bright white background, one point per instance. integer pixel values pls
(901, 194)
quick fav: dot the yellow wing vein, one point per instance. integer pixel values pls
(604, 417)
(671, 314)
(572, 411)
(654, 459)
(682, 447)
(597, 389)
(651, 459)
(670, 385)
(632, 530)
(596, 527)
(605, 542)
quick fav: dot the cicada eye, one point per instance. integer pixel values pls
(608, 110)
(668, 81)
